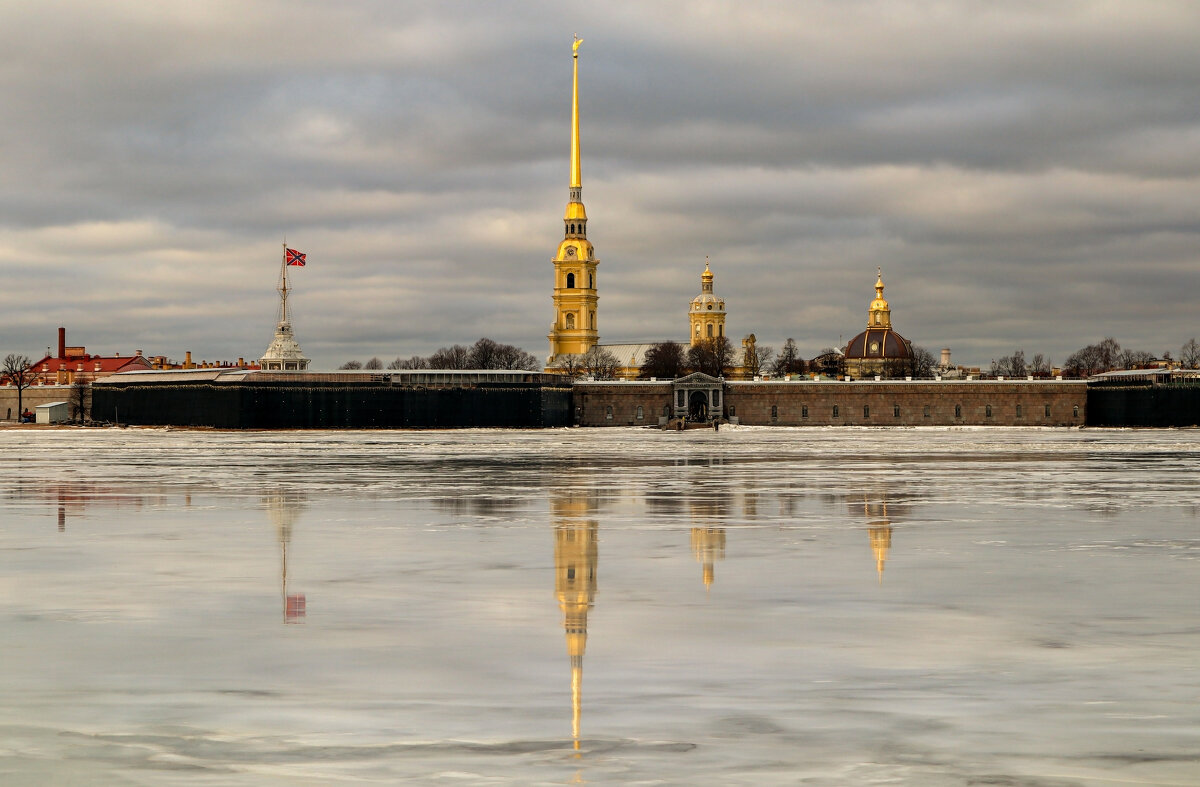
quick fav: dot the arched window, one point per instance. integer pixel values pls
(639, 412)
(866, 411)
(570, 320)
(570, 281)
(591, 282)
(710, 335)
(592, 320)
(774, 411)
(988, 411)
(721, 330)
(958, 411)
(1075, 411)
(697, 329)
(878, 318)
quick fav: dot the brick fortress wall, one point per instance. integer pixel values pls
(860, 403)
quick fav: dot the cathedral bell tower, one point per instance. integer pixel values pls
(574, 330)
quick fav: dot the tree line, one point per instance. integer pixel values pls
(484, 354)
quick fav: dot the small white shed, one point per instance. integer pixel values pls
(53, 413)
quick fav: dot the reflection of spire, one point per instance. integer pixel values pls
(708, 543)
(576, 548)
(880, 532)
(283, 508)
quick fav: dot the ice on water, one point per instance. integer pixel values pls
(749, 606)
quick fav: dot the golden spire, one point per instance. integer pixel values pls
(576, 177)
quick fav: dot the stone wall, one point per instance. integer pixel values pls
(887, 403)
(31, 397)
(617, 403)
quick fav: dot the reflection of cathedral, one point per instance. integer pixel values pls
(576, 548)
(708, 543)
(879, 529)
(283, 508)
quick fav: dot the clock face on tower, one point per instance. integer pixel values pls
(874, 347)
(570, 251)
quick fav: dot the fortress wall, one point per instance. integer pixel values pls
(876, 403)
(751, 403)
(31, 397)
(593, 400)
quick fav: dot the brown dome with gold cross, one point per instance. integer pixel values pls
(878, 350)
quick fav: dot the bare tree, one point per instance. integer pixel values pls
(80, 401)
(713, 357)
(664, 360)
(19, 373)
(1189, 354)
(373, 364)
(1040, 367)
(789, 361)
(453, 357)
(1135, 359)
(923, 363)
(415, 362)
(600, 363)
(570, 364)
(351, 365)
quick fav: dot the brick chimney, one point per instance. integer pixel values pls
(62, 342)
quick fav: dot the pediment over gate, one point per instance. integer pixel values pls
(698, 380)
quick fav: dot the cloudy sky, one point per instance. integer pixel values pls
(1027, 174)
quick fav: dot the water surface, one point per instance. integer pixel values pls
(753, 606)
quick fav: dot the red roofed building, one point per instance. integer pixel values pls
(74, 363)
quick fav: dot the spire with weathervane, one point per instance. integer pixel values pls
(574, 331)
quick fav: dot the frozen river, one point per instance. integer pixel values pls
(752, 606)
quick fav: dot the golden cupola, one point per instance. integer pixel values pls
(706, 314)
(575, 330)
(879, 315)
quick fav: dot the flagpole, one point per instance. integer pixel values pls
(283, 291)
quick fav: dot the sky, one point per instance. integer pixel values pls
(1026, 174)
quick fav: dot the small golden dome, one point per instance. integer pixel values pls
(575, 210)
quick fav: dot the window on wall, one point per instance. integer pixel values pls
(570, 319)
(592, 320)
(710, 334)
(804, 411)
(720, 330)
(878, 319)
(608, 413)
(570, 281)
(774, 411)
(732, 411)
(681, 400)
(835, 411)
(1047, 411)
(1075, 411)
(716, 398)
(895, 411)
(958, 411)
(591, 282)
(987, 410)
(866, 411)
(697, 329)
(1018, 411)
(926, 411)
(666, 410)
(639, 412)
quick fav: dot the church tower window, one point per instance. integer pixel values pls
(570, 320)
(570, 281)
